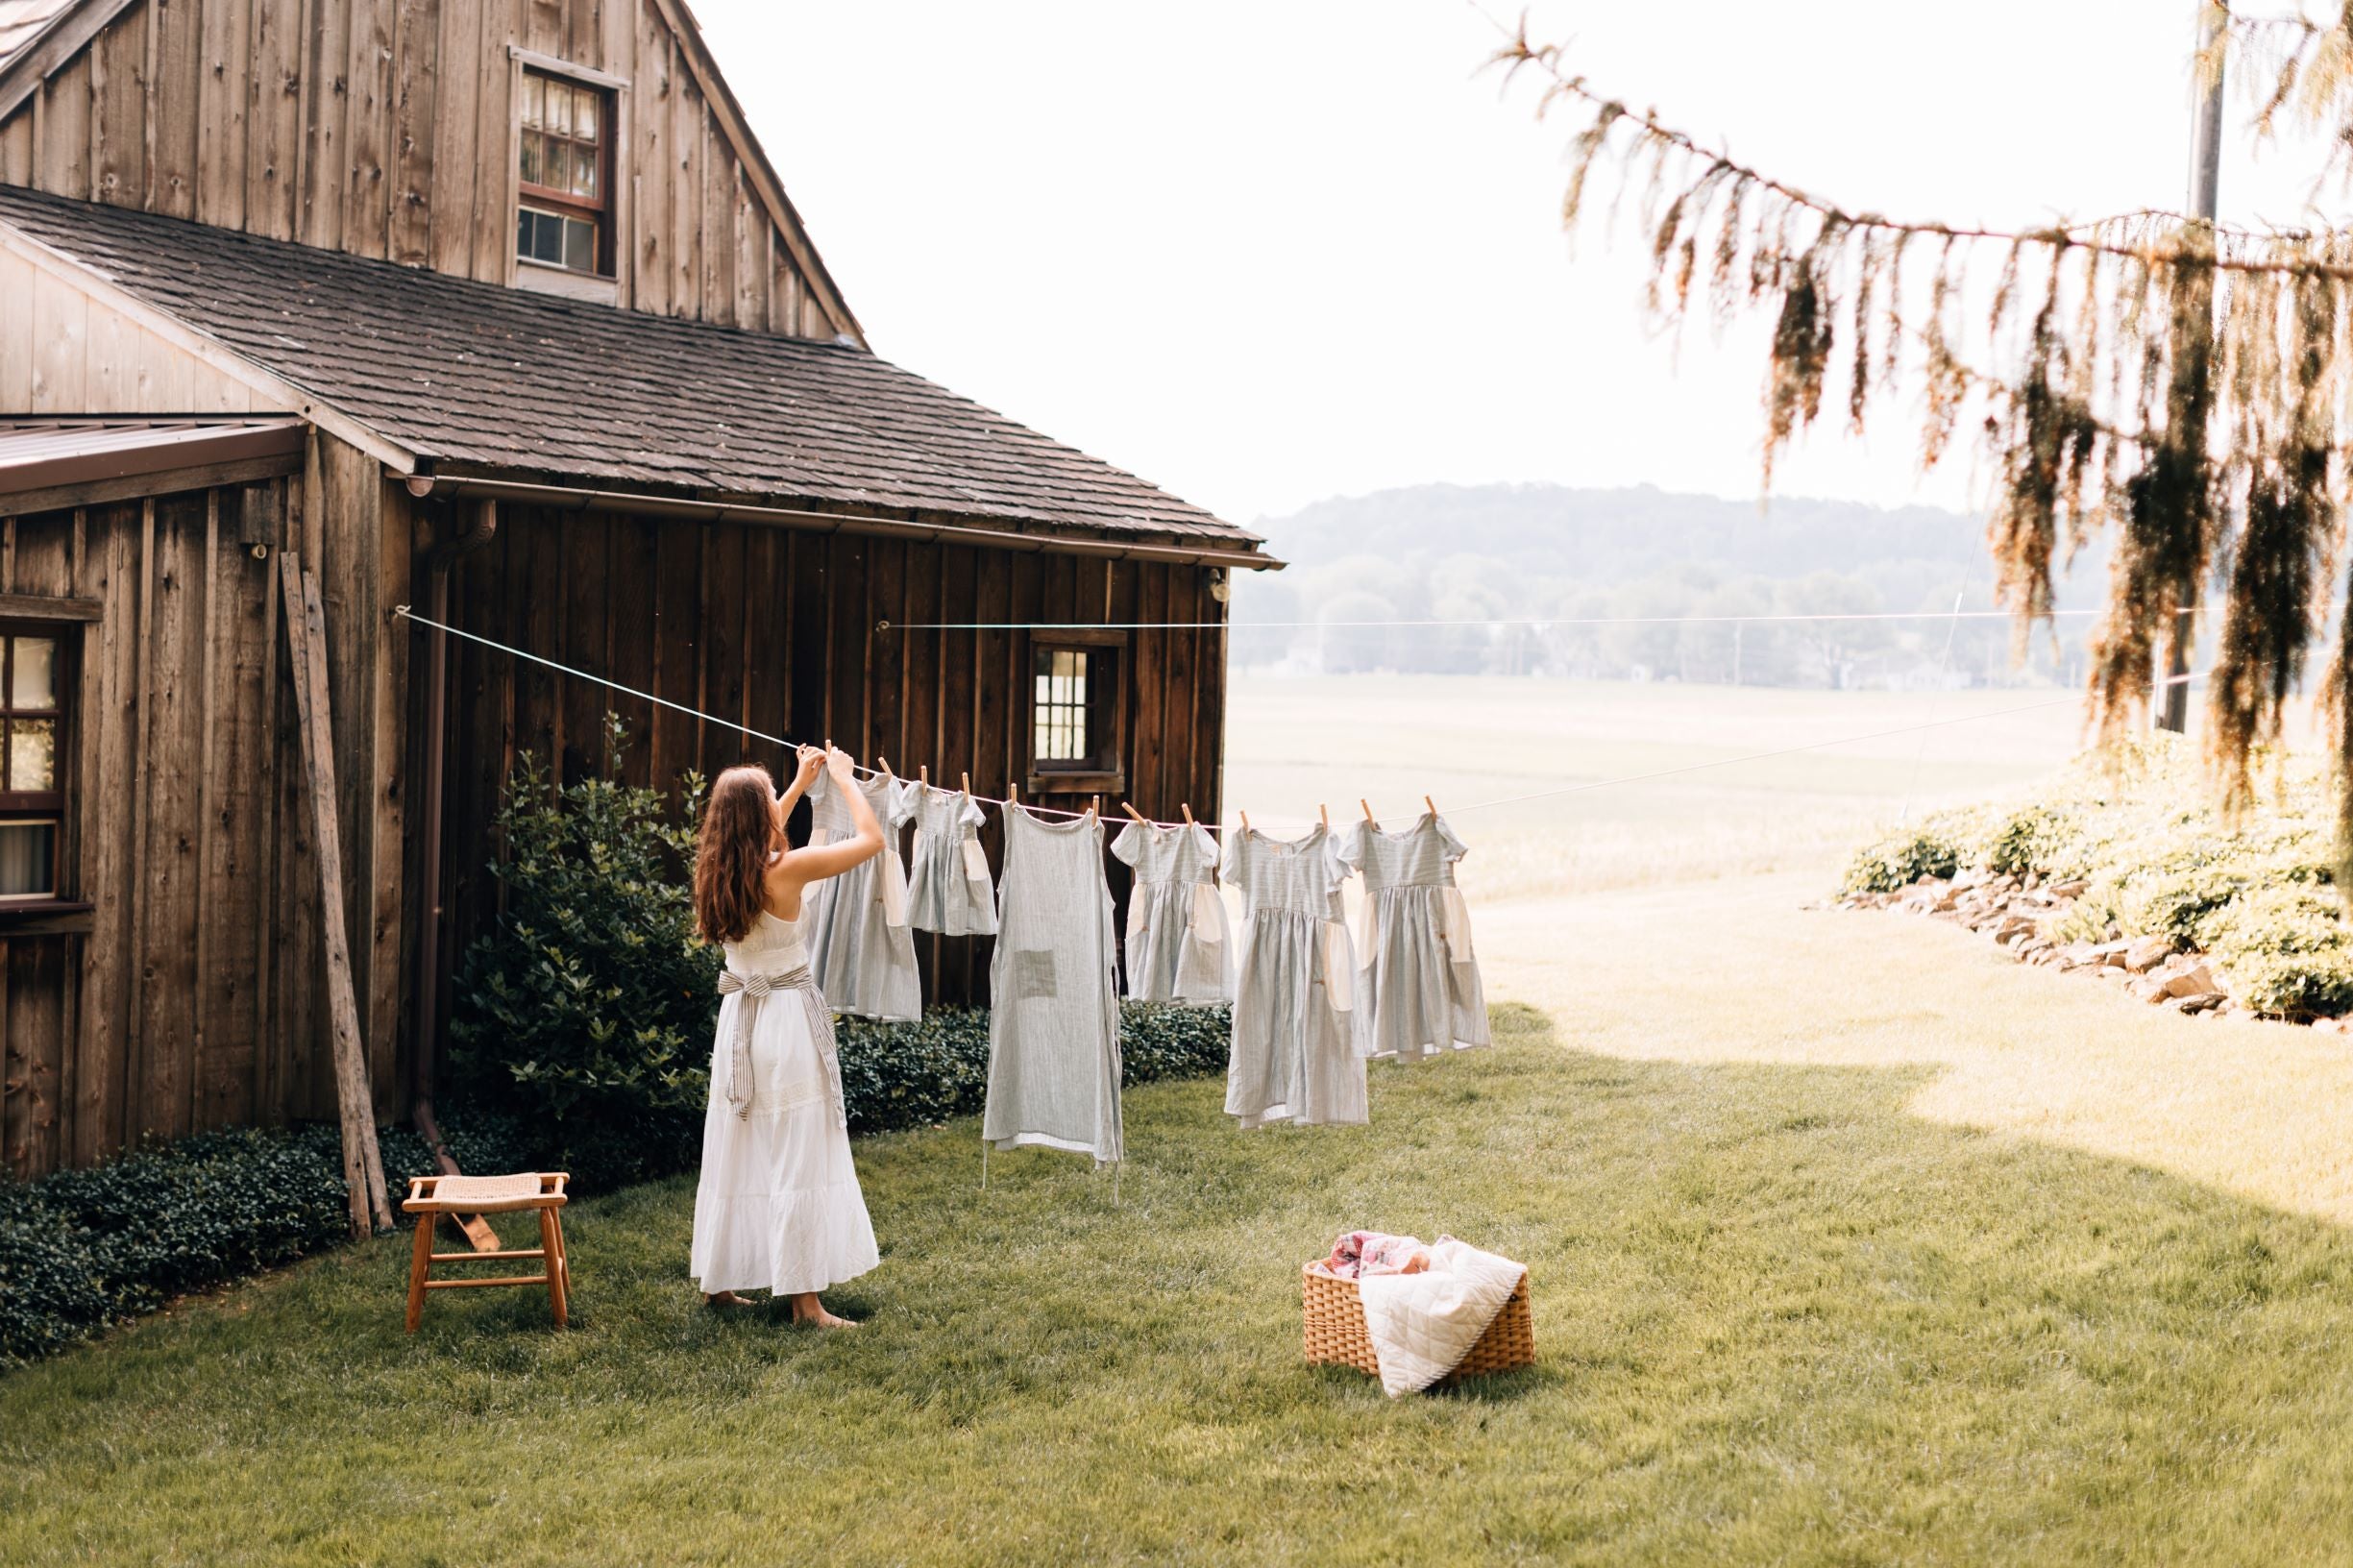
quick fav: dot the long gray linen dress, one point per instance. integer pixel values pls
(1053, 1004)
(949, 888)
(860, 948)
(1293, 1055)
(1177, 939)
(1421, 993)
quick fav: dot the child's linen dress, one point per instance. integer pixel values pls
(1421, 994)
(859, 942)
(1176, 923)
(1294, 1058)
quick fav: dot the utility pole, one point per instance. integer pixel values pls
(2205, 176)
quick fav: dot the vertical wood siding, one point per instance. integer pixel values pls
(64, 353)
(776, 629)
(385, 128)
(195, 999)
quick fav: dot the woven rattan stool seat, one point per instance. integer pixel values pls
(453, 1190)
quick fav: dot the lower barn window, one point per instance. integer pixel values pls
(1076, 718)
(1062, 706)
(31, 805)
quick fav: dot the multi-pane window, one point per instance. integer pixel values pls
(1076, 717)
(31, 802)
(561, 218)
(1062, 727)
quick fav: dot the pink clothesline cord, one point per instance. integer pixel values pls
(406, 613)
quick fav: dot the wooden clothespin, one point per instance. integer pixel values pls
(886, 765)
(1369, 811)
(1013, 793)
(1431, 804)
(1186, 808)
(1094, 806)
(1325, 813)
(1129, 807)
(967, 783)
(1245, 817)
(922, 772)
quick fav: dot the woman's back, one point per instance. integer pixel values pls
(772, 945)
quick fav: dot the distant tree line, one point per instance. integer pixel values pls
(1634, 585)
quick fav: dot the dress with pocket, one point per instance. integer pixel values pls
(1295, 1057)
(1176, 922)
(948, 889)
(1421, 994)
(860, 947)
(1053, 1001)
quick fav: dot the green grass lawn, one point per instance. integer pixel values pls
(1779, 1319)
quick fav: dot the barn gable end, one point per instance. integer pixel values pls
(389, 129)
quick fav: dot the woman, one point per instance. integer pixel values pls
(779, 1206)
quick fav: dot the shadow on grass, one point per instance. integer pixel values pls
(1775, 1315)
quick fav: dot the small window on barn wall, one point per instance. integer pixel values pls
(563, 211)
(31, 800)
(1078, 713)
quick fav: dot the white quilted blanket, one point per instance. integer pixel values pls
(1422, 1325)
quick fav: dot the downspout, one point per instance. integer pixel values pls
(479, 530)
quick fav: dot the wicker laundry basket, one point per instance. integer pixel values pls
(1333, 1316)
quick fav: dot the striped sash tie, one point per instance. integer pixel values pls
(756, 988)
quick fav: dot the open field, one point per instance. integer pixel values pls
(1781, 1317)
(1294, 743)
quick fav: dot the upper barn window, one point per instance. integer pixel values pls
(31, 801)
(563, 217)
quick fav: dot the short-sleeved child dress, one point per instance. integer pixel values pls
(1421, 993)
(1294, 1059)
(948, 889)
(860, 948)
(1176, 923)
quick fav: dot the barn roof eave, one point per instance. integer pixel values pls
(821, 516)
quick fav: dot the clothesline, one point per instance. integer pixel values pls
(409, 614)
(1482, 621)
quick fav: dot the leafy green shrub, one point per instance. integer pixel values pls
(1898, 861)
(84, 1249)
(2139, 827)
(587, 1011)
(2026, 841)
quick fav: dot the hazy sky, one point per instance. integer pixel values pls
(1267, 251)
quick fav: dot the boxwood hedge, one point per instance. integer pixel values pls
(83, 1249)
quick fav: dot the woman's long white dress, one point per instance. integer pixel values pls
(778, 1207)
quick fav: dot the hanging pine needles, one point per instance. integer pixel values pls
(2178, 385)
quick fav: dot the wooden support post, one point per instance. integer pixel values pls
(364, 1169)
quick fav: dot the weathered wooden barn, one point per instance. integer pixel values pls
(497, 307)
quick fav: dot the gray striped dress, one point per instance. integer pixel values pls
(1176, 923)
(1294, 1059)
(948, 889)
(1053, 1009)
(860, 948)
(1421, 994)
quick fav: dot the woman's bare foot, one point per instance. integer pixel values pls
(808, 1309)
(725, 1298)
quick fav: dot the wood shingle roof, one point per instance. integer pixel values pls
(478, 378)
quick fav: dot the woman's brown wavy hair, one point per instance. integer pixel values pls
(731, 853)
